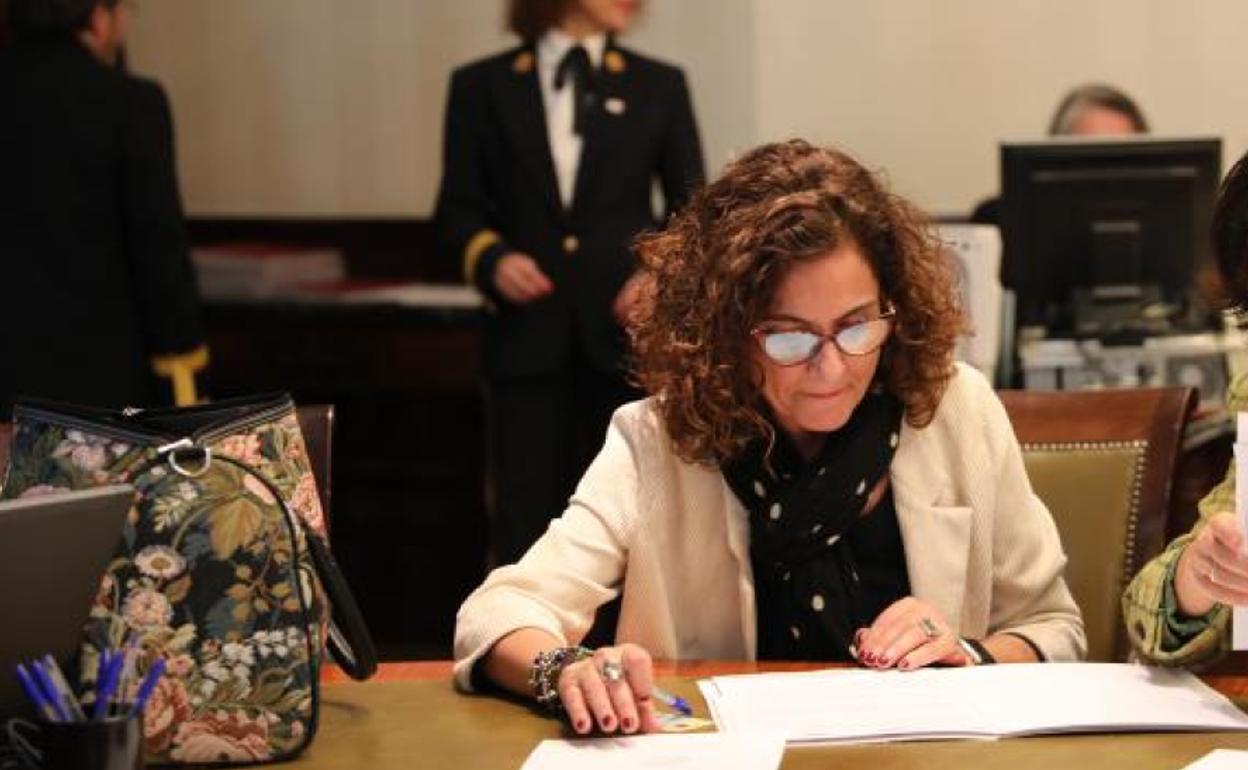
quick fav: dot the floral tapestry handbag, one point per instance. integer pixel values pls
(222, 568)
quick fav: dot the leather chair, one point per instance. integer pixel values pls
(1103, 462)
(316, 422)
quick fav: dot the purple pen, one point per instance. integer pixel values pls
(49, 691)
(149, 684)
(67, 693)
(106, 682)
(672, 701)
(36, 695)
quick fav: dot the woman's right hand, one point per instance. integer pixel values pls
(1213, 568)
(621, 703)
(518, 278)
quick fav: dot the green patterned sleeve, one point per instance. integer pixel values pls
(1159, 632)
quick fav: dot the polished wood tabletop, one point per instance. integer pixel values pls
(411, 716)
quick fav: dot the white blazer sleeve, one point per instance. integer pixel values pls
(1029, 595)
(573, 569)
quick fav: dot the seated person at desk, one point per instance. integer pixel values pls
(1093, 109)
(1178, 608)
(812, 477)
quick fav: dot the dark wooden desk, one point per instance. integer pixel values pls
(411, 717)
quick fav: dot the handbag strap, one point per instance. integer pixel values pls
(349, 642)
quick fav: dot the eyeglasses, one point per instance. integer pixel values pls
(790, 347)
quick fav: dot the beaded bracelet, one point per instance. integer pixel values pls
(544, 676)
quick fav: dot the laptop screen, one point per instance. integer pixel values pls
(53, 552)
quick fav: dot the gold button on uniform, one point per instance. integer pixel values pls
(570, 244)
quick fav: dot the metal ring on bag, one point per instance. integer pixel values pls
(207, 461)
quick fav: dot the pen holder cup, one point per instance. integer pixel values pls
(115, 743)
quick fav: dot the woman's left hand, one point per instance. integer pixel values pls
(909, 634)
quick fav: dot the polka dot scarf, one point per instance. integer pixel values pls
(823, 565)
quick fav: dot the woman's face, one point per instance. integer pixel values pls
(601, 16)
(823, 295)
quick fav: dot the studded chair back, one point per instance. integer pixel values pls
(1103, 462)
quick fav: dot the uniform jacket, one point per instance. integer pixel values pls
(674, 540)
(93, 250)
(499, 193)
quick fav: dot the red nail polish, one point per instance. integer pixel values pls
(581, 726)
(884, 661)
(628, 725)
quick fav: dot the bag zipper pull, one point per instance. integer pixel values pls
(171, 451)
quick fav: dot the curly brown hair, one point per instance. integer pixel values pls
(714, 271)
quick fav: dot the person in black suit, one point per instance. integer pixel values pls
(100, 304)
(551, 152)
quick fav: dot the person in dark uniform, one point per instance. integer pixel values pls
(100, 304)
(551, 153)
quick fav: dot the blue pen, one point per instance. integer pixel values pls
(101, 675)
(149, 684)
(62, 685)
(672, 701)
(104, 688)
(36, 695)
(49, 690)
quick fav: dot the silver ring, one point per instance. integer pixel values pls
(1210, 574)
(612, 671)
(929, 627)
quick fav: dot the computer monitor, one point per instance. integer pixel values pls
(1104, 236)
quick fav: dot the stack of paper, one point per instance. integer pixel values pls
(258, 270)
(1221, 759)
(982, 702)
(744, 751)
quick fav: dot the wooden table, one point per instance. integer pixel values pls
(411, 717)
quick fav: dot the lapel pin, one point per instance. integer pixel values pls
(523, 63)
(614, 62)
(614, 105)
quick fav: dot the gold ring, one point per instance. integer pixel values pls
(929, 627)
(612, 671)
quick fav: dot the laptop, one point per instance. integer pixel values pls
(53, 553)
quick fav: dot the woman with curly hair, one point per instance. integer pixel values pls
(811, 478)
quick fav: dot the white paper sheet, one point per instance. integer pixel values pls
(738, 751)
(1239, 618)
(1221, 759)
(981, 702)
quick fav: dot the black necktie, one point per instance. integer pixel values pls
(575, 64)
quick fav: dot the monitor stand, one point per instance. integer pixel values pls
(1122, 314)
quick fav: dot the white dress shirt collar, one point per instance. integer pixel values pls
(552, 46)
(565, 145)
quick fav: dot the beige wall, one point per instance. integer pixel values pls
(325, 107)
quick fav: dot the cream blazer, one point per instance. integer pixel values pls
(674, 539)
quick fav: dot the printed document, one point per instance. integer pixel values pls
(979, 702)
(694, 751)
